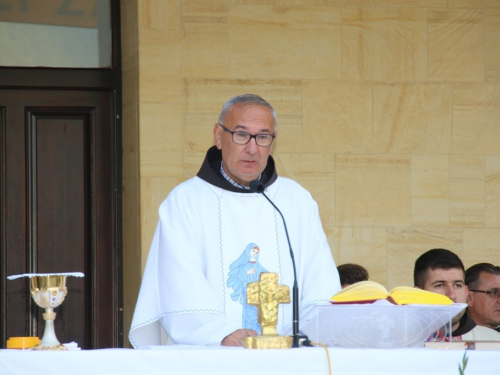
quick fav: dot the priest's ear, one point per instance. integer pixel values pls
(217, 135)
(470, 299)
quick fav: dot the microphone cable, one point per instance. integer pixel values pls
(327, 354)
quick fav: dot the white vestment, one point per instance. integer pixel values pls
(480, 333)
(202, 231)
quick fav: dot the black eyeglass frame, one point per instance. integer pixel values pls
(495, 293)
(251, 136)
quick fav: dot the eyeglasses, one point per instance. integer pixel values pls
(242, 138)
(494, 293)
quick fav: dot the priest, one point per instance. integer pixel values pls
(215, 235)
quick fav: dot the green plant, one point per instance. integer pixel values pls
(461, 367)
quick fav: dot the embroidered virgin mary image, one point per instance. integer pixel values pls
(246, 269)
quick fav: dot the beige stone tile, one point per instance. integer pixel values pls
(404, 246)
(130, 128)
(308, 2)
(131, 247)
(192, 161)
(330, 236)
(206, 2)
(467, 202)
(342, 242)
(160, 66)
(378, 273)
(467, 191)
(481, 245)
(130, 169)
(337, 117)
(456, 44)
(205, 9)
(131, 215)
(130, 98)
(373, 190)
(286, 99)
(413, 3)
(412, 118)
(160, 142)
(129, 33)
(359, 3)
(492, 181)
(206, 97)
(153, 192)
(476, 118)
(159, 14)
(198, 131)
(316, 173)
(289, 131)
(371, 252)
(492, 43)
(205, 41)
(473, 3)
(292, 42)
(364, 246)
(371, 246)
(251, 2)
(429, 190)
(384, 44)
(466, 166)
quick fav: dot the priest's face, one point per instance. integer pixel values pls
(484, 308)
(450, 283)
(244, 163)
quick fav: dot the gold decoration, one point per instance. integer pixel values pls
(48, 292)
(266, 294)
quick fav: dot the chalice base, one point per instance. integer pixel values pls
(49, 339)
(268, 342)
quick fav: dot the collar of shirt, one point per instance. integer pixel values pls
(223, 173)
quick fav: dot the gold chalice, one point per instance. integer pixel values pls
(48, 292)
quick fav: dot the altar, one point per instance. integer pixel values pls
(188, 360)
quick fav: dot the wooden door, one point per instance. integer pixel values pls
(59, 204)
(60, 196)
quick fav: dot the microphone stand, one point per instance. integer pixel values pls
(298, 340)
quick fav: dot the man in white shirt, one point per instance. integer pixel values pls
(483, 281)
(215, 235)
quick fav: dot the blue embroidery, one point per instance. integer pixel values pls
(246, 269)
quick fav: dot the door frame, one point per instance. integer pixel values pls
(106, 79)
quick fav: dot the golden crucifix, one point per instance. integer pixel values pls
(266, 294)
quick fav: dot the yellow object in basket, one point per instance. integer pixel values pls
(22, 342)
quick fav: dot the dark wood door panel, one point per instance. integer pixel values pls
(58, 148)
(60, 196)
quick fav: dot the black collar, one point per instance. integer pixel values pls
(210, 172)
(466, 325)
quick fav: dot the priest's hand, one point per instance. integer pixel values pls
(236, 338)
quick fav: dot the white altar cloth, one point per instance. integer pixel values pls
(181, 360)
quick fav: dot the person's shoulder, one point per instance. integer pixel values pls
(186, 189)
(292, 187)
(194, 183)
(182, 187)
(289, 183)
(484, 333)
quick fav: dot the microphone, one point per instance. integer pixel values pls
(298, 340)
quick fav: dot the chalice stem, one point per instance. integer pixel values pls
(49, 334)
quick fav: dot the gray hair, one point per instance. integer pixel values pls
(473, 273)
(244, 100)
